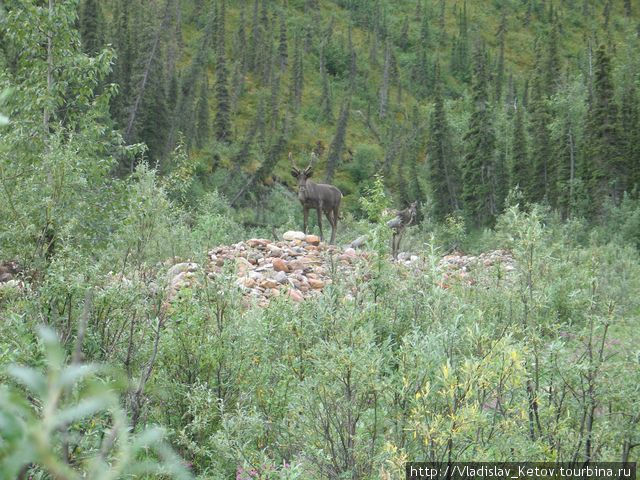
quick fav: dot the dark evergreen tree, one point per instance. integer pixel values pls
(92, 25)
(283, 48)
(606, 14)
(384, 87)
(274, 99)
(353, 66)
(222, 123)
(202, 112)
(499, 76)
(337, 144)
(425, 30)
(403, 37)
(442, 171)
(240, 50)
(173, 92)
(627, 8)
(297, 76)
(150, 124)
(255, 42)
(123, 68)
(326, 101)
(460, 63)
(441, 24)
(520, 167)
(630, 133)
(552, 61)
(480, 144)
(603, 163)
(542, 178)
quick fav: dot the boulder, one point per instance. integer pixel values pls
(181, 268)
(312, 239)
(293, 235)
(295, 295)
(280, 265)
(316, 284)
(281, 277)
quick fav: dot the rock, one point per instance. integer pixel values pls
(5, 277)
(312, 239)
(316, 284)
(350, 252)
(179, 268)
(280, 265)
(295, 295)
(268, 283)
(293, 235)
(281, 277)
(257, 242)
(242, 264)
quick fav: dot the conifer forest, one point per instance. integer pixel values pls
(317, 239)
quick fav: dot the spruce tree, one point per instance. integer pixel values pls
(441, 24)
(520, 168)
(325, 101)
(283, 48)
(460, 62)
(479, 145)
(542, 178)
(255, 41)
(151, 123)
(602, 156)
(222, 123)
(630, 133)
(403, 37)
(297, 76)
(552, 61)
(384, 87)
(202, 112)
(92, 26)
(123, 68)
(337, 144)
(353, 66)
(499, 77)
(240, 47)
(442, 171)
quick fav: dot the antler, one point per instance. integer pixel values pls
(312, 162)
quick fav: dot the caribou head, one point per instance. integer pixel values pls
(302, 176)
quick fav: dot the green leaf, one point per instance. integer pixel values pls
(29, 378)
(75, 373)
(84, 409)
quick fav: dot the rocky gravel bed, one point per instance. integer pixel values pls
(298, 267)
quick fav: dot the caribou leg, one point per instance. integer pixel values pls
(330, 218)
(394, 249)
(334, 224)
(398, 244)
(305, 215)
(319, 210)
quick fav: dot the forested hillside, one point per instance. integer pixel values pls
(161, 316)
(454, 102)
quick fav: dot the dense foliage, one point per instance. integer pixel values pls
(135, 134)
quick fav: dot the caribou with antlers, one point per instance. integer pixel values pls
(324, 198)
